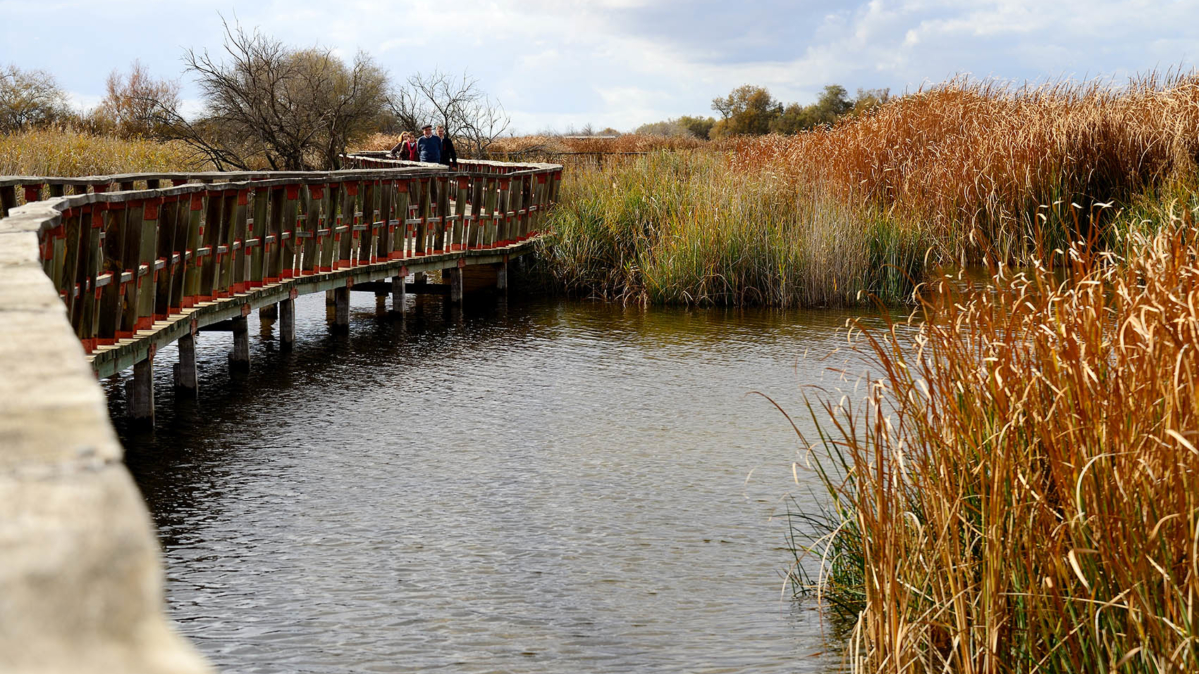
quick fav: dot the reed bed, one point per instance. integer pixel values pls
(1019, 491)
(70, 153)
(991, 170)
(682, 228)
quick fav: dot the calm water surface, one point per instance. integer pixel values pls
(553, 486)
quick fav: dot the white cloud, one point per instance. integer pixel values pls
(624, 62)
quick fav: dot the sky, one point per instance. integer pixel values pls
(557, 65)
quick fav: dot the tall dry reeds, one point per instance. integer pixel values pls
(990, 169)
(1020, 490)
(68, 153)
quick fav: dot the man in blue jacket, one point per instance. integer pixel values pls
(428, 146)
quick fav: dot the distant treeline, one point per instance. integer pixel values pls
(751, 111)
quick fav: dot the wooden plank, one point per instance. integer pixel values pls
(345, 244)
(274, 249)
(422, 228)
(366, 239)
(110, 296)
(261, 204)
(311, 198)
(211, 239)
(191, 266)
(291, 208)
(457, 235)
(147, 255)
(89, 320)
(329, 245)
(167, 231)
(441, 232)
(130, 257)
(241, 228)
(400, 245)
(225, 260)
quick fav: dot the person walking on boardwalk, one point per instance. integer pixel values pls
(448, 156)
(406, 148)
(429, 146)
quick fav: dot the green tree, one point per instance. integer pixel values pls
(700, 127)
(747, 110)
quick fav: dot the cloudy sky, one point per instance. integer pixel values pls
(619, 63)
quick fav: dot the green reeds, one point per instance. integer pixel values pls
(682, 227)
(1020, 490)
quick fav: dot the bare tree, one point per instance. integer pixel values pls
(469, 115)
(30, 98)
(266, 103)
(132, 102)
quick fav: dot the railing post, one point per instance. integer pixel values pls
(130, 258)
(257, 233)
(345, 230)
(366, 237)
(274, 253)
(225, 261)
(459, 231)
(422, 228)
(504, 231)
(241, 219)
(113, 265)
(291, 206)
(89, 291)
(441, 233)
(387, 235)
(312, 196)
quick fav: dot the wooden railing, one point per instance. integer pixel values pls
(122, 260)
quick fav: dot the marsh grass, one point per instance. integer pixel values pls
(1019, 491)
(680, 227)
(70, 153)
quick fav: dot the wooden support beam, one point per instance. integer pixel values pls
(185, 370)
(386, 287)
(287, 324)
(455, 274)
(341, 313)
(140, 391)
(239, 359)
(399, 293)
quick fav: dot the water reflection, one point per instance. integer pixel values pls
(547, 486)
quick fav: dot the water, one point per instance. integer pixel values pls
(554, 486)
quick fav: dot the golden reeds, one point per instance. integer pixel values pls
(1020, 491)
(68, 153)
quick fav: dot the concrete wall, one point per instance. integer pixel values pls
(81, 576)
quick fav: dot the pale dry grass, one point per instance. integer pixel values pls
(68, 153)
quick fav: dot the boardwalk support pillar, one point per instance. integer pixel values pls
(455, 274)
(341, 313)
(140, 391)
(501, 276)
(185, 369)
(399, 293)
(240, 358)
(287, 324)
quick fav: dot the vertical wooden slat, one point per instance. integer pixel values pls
(400, 241)
(422, 227)
(148, 255)
(274, 252)
(504, 207)
(443, 210)
(211, 238)
(387, 232)
(167, 231)
(291, 205)
(241, 217)
(330, 245)
(89, 319)
(313, 197)
(130, 258)
(110, 295)
(224, 264)
(192, 265)
(459, 230)
(366, 238)
(344, 239)
(258, 233)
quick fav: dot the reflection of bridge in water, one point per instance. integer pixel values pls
(132, 270)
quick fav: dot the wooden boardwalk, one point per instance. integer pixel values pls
(140, 268)
(98, 273)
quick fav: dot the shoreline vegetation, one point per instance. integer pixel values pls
(1019, 490)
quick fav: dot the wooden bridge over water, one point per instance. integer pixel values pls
(141, 268)
(98, 273)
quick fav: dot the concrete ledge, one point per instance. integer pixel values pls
(81, 581)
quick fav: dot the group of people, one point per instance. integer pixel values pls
(429, 148)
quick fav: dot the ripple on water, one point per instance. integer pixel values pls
(556, 486)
